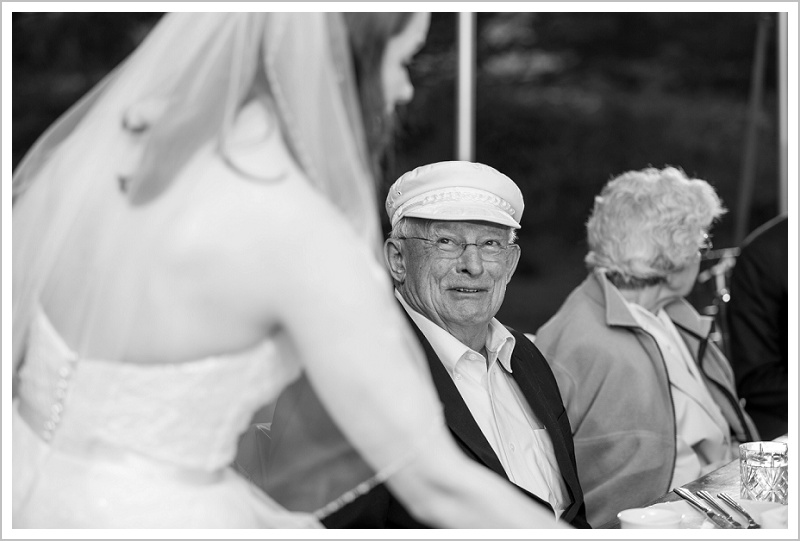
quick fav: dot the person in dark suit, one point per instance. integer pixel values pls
(451, 253)
(759, 328)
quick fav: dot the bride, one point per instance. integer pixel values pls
(188, 239)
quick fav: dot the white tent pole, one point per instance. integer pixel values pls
(465, 90)
(783, 115)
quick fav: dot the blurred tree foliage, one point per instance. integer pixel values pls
(564, 101)
(58, 57)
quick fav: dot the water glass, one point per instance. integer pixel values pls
(764, 469)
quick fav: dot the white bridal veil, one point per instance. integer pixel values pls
(178, 91)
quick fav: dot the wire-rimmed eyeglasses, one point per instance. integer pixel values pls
(448, 248)
(706, 246)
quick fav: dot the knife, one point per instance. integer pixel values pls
(710, 501)
(716, 518)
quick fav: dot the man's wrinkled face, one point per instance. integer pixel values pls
(458, 290)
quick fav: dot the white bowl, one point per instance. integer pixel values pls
(648, 517)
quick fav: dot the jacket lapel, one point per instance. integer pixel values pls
(697, 392)
(459, 419)
(530, 370)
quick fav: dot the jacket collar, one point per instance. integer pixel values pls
(459, 419)
(680, 311)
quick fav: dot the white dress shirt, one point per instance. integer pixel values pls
(703, 435)
(503, 414)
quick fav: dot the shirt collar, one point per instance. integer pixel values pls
(499, 341)
(644, 317)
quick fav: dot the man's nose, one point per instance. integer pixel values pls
(470, 260)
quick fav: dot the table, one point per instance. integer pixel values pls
(724, 479)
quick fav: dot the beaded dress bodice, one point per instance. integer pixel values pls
(188, 414)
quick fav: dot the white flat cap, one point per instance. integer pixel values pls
(456, 190)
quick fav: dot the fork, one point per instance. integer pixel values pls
(751, 524)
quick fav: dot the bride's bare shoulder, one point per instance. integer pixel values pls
(256, 171)
(248, 218)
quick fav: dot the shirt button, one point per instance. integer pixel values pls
(458, 376)
(511, 446)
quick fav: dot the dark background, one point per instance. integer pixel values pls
(564, 101)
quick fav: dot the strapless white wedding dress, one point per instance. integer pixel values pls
(100, 444)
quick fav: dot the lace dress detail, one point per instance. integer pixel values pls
(110, 444)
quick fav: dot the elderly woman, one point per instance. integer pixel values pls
(651, 401)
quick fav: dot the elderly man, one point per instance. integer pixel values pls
(451, 253)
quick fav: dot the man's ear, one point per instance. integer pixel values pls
(395, 259)
(513, 261)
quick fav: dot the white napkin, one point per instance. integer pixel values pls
(775, 518)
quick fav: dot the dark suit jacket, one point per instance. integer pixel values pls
(379, 509)
(758, 330)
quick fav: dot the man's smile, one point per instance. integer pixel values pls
(468, 290)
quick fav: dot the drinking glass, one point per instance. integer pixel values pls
(764, 469)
